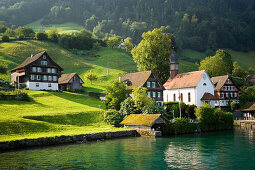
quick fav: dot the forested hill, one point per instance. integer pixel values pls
(197, 24)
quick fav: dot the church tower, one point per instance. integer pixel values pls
(173, 65)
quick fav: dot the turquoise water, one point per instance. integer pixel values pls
(221, 150)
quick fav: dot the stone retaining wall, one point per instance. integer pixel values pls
(26, 143)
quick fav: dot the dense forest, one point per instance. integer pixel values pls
(199, 24)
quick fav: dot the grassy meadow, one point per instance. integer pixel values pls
(51, 114)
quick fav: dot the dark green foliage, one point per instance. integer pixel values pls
(224, 120)
(234, 105)
(113, 117)
(41, 36)
(247, 94)
(154, 109)
(127, 107)
(3, 28)
(3, 69)
(25, 31)
(14, 95)
(190, 111)
(5, 38)
(115, 94)
(173, 109)
(182, 126)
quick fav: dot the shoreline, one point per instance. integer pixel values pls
(58, 140)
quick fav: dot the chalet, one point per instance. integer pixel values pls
(225, 90)
(70, 81)
(153, 122)
(146, 79)
(37, 72)
(191, 88)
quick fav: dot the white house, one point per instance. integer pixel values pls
(191, 88)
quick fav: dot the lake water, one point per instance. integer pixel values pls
(220, 150)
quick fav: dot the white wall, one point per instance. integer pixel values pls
(42, 86)
(201, 89)
(185, 91)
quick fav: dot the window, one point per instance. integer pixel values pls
(158, 103)
(204, 84)
(174, 97)
(222, 95)
(159, 94)
(227, 95)
(33, 69)
(38, 77)
(153, 84)
(148, 84)
(44, 63)
(154, 94)
(49, 84)
(48, 70)
(32, 77)
(228, 81)
(235, 94)
(39, 69)
(55, 78)
(50, 78)
(181, 97)
(44, 56)
(231, 95)
(54, 70)
(233, 88)
(189, 99)
(37, 84)
(149, 94)
(45, 77)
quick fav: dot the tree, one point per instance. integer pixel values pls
(3, 28)
(10, 33)
(129, 46)
(113, 41)
(25, 31)
(115, 95)
(238, 71)
(3, 69)
(91, 77)
(113, 117)
(41, 36)
(247, 94)
(154, 109)
(220, 64)
(127, 107)
(5, 38)
(251, 71)
(141, 99)
(153, 52)
(53, 34)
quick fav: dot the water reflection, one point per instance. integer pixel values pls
(224, 150)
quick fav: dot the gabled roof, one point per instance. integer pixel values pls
(248, 107)
(31, 59)
(142, 119)
(219, 82)
(209, 96)
(137, 79)
(184, 80)
(65, 78)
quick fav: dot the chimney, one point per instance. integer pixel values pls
(120, 77)
(173, 64)
(32, 55)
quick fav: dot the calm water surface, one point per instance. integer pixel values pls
(221, 150)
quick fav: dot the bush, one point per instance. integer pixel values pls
(41, 36)
(3, 69)
(127, 107)
(206, 117)
(190, 111)
(182, 126)
(5, 38)
(14, 95)
(234, 105)
(154, 109)
(113, 117)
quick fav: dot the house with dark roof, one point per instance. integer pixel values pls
(225, 90)
(154, 122)
(37, 72)
(70, 81)
(248, 111)
(146, 79)
(191, 88)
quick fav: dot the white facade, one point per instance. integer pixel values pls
(42, 86)
(192, 95)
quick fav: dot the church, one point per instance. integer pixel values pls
(191, 88)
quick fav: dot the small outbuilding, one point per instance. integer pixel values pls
(70, 81)
(154, 122)
(248, 111)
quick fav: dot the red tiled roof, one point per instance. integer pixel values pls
(184, 80)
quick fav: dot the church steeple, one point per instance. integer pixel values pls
(173, 64)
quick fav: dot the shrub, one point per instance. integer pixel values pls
(154, 109)
(41, 36)
(190, 111)
(5, 38)
(127, 107)
(234, 105)
(182, 125)
(206, 117)
(113, 117)
(3, 69)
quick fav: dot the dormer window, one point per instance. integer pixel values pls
(44, 57)
(44, 63)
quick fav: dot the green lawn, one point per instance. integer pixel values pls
(62, 28)
(51, 114)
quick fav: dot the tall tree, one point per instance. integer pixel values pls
(220, 64)
(153, 52)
